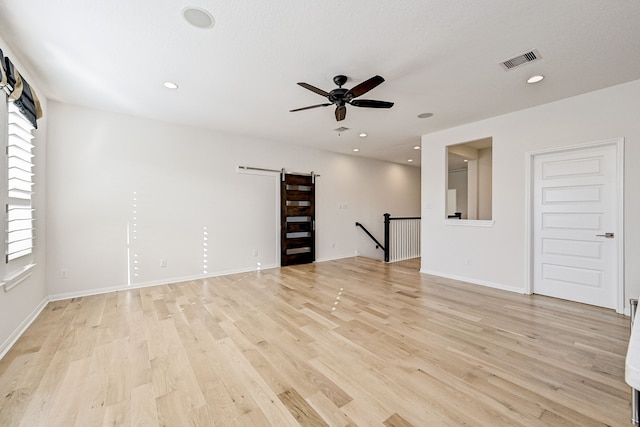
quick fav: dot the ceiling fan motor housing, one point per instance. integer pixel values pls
(337, 96)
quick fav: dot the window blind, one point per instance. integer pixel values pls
(19, 211)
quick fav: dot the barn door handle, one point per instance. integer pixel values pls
(607, 235)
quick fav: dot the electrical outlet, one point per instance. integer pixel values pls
(255, 252)
(163, 262)
(64, 273)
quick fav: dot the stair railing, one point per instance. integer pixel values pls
(401, 238)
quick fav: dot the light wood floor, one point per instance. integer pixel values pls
(348, 342)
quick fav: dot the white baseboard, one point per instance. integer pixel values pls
(169, 281)
(475, 281)
(98, 291)
(336, 258)
(11, 340)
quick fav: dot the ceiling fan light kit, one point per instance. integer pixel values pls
(340, 96)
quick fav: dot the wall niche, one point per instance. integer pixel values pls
(469, 189)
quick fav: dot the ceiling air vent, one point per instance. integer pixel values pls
(519, 60)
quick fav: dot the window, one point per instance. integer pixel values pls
(19, 182)
(19, 218)
(469, 180)
(19, 110)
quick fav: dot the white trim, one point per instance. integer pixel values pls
(345, 257)
(16, 278)
(277, 225)
(528, 220)
(171, 281)
(620, 186)
(175, 280)
(15, 335)
(618, 143)
(470, 222)
(474, 281)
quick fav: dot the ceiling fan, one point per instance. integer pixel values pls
(340, 96)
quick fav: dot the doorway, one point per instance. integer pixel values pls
(576, 224)
(297, 219)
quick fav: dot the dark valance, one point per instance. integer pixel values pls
(20, 92)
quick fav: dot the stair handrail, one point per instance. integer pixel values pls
(378, 244)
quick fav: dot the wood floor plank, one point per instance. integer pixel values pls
(64, 408)
(329, 411)
(300, 409)
(352, 342)
(375, 395)
(396, 420)
(256, 386)
(144, 410)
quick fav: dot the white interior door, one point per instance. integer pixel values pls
(575, 225)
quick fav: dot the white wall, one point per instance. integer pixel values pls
(20, 305)
(459, 181)
(485, 183)
(185, 179)
(496, 255)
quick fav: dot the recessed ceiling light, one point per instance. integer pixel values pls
(535, 79)
(410, 160)
(425, 115)
(363, 135)
(416, 147)
(170, 85)
(355, 150)
(465, 160)
(198, 17)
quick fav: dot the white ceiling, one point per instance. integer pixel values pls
(437, 56)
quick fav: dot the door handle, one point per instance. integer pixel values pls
(607, 235)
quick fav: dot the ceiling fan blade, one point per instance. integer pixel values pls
(341, 112)
(311, 106)
(371, 103)
(365, 86)
(314, 89)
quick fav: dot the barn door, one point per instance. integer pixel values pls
(297, 219)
